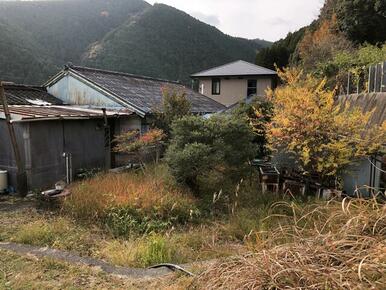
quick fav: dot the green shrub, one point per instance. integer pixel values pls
(221, 145)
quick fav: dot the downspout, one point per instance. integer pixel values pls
(107, 141)
(21, 176)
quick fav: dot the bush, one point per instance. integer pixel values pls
(322, 137)
(174, 106)
(201, 147)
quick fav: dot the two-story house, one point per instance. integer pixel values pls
(235, 81)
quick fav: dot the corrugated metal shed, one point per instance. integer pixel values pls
(29, 95)
(39, 113)
(236, 68)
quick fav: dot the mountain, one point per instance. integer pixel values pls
(39, 37)
(21, 58)
(168, 43)
(262, 43)
(67, 28)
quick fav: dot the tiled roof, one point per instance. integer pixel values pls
(236, 68)
(36, 113)
(144, 93)
(29, 95)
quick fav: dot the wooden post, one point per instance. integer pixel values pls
(21, 177)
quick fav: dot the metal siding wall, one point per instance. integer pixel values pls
(7, 159)
(74, 92)
(81, 139)
(85, 141)
(357, 175)
(46, 145)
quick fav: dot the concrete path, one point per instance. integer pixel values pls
(75, 259)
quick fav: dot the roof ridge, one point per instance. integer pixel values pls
(252, 65)
(216, 67)
(122, 74)
(24, 86)
(256, 65)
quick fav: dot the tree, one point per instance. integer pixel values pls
(257, 114)
(323, 137)
(174, 106)
(362, 20)
(355, 62)
(132, 142)
(281, 53)
(200, 148)
(322, 44)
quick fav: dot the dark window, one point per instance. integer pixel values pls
(216, 86)
(252, 88)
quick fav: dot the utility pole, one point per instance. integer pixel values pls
(21, 176)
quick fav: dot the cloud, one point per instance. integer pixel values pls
(209, 19)
(278, 21)
(266, 19)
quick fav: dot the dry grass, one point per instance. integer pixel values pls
(91, 199)
(338, 245)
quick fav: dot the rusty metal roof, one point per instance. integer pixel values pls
(29, 95)
(39, 113)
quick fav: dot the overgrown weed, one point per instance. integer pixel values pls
(330, 245)
(134, 202)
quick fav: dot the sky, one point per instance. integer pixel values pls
(265, 19)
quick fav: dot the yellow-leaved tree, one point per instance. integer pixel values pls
(322, 136)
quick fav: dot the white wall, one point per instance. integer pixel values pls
(233, 90)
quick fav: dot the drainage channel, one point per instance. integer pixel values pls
(44, 252)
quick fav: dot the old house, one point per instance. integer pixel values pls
(50, 133)
(234, 82)
(143, 95)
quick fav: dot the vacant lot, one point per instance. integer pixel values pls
(141, 219)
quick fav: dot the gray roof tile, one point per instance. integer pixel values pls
(143, 92)
(29, 95)
(237, 68)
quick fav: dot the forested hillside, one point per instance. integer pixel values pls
(341, 26)
(39, 37)
(168, 43)
(21, 58)
(348, 36)
(66, 28)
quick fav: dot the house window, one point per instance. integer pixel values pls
(216, 86)
(202, 89)
(252, 88)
